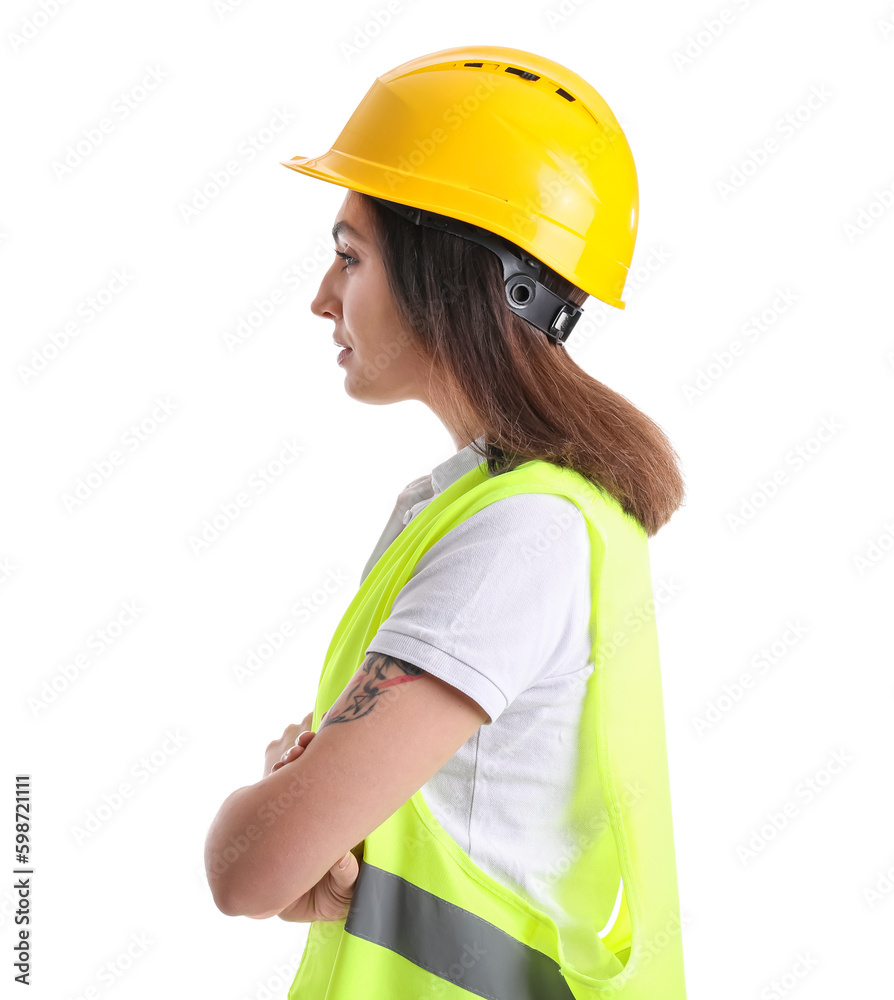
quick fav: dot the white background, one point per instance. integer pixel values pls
(696, 95)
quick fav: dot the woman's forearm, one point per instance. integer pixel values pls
(226, 831)
(235, 828)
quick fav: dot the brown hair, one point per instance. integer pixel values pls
(491, 368)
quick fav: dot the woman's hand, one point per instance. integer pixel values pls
(302, 741)
(278, 750)
(330, 898)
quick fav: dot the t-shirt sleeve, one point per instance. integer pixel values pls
(488, 605)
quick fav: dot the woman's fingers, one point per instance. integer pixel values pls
(280, 763)
(294, 752)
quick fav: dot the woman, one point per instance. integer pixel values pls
(493, 778)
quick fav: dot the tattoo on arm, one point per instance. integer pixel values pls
(380, 672)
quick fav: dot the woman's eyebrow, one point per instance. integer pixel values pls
(345, 227)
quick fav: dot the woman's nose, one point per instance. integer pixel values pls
(326, 303)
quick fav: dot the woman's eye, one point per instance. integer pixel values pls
(346, 257)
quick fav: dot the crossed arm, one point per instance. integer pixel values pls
(391, 729)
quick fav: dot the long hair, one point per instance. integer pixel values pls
(492, 369)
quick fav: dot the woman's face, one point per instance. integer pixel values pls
(383, 364)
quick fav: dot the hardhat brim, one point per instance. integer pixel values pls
(367, 177)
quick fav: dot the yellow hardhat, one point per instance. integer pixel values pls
(506, 141)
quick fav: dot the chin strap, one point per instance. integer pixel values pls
(526, 295)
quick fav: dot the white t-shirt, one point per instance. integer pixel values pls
(499, 608)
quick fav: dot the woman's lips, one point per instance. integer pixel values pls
(344, 354)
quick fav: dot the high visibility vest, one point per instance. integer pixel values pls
(425, 921)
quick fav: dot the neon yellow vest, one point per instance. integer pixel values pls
(425, 921)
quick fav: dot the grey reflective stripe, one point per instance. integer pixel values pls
(448, 941)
